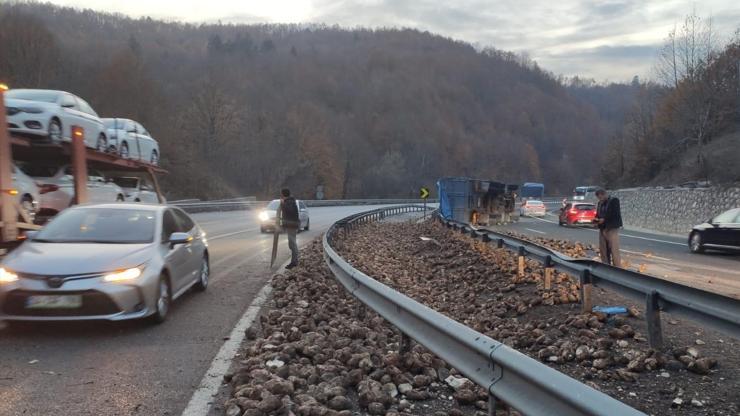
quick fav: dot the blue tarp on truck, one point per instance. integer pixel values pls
(532, 190)
(475, 201)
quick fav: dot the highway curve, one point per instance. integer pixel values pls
(133, 368)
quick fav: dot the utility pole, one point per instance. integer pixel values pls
(8, 215)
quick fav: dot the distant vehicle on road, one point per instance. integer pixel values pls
(104, 262)
(131, 140)
(268, 216)
(533, 208)
(577, 213)
(531, 190)
(56, 186)
(50, 115)
(136, 189)
(719, 233)
(26, 192)
(585, 193)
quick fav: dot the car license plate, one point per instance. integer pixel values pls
(54, 302)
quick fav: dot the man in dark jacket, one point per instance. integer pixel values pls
(609, 220)
(290, 222)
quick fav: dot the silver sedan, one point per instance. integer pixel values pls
(105, 262)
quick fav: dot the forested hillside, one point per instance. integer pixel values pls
(245, 110)
(686, 127)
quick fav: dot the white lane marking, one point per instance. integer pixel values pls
(543, 220)
(201, 401)
(218, 237)
(536, 231)
(653, 239)
(645, 255)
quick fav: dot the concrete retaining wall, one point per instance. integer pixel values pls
(674, 211)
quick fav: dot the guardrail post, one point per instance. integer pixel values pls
(586, 286)
(522, 252)
(491, 405)
(360, 311)
(548, 272)
(500, 243)
(652, 316)
(485, 238)
(404, 345)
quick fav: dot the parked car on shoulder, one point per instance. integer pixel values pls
(719, 233)
(48, 115)
(268, 216)
(136, 189)
(105, 262)
(26, 193)
(533, 208)
(577, 213)
(131, 140)
(56, 186)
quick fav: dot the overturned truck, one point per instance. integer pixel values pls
(477, 202)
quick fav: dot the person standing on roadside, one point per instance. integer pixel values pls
(290, 222)
(609, 220)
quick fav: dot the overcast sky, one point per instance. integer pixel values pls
(606, 40)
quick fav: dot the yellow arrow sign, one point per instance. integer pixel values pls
(424, 192)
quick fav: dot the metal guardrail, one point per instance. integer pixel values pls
(718, 312)
(240, 204)
(523, 383)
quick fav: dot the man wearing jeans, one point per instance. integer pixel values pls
(290, 223)
(609, 220)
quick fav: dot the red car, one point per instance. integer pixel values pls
(575, 213)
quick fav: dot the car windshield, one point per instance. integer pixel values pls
(726, 217)
(100, 225)
(585, 207)
(34, 95)
(579, 193)
(126, 182)
(273, 205)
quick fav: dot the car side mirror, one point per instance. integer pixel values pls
(179, 238)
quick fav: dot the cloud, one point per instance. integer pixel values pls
(606, 39)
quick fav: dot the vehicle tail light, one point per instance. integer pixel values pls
(574, 211)
(47, 187)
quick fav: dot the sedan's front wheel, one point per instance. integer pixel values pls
(205, 272)
(695, 243)
(163, 301)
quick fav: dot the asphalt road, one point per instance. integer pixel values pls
(661, 255)
(132, 368)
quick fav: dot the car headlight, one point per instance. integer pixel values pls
(264, 216)
(123, 275)
(31, 110)
(6, 276)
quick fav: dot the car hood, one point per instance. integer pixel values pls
(15, 102)
(75, 258)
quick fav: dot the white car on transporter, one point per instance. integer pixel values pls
(48, 115)
(26, 192)
(131, 140)
(56, 186)
(137, 189)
